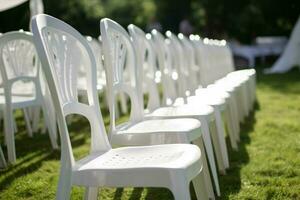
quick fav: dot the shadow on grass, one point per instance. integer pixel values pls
(20, 170)
(231, 183)
(32, 152)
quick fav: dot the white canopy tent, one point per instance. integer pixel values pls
(291, 55)
(36, 6)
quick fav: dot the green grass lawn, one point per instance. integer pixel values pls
(267, 165)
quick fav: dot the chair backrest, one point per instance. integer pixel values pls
(119, 55)
(179, 63)
(190, 62)
(18, 59)
(59, 47)
(97, 50)
(146, 65)
(205, 60)
(164, 58)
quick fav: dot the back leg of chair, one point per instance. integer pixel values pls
(221, 135)
(123, 101)
(27, 122)
(230, 129)
(36, 113)
(91, 193)
(231, 123)
(15, 125)
(51, 129)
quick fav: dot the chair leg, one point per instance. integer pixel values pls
(15, 125)
(50, 125)
(27, 122)
(9, 133)
(246, 99)
(180, 189)
(205, 170)
(200, 186)
(123, 101)
(232, 136)
(35, 118)
(64, 186)
(232, 121)
(221, 136)
(234, 118)
(210, 152)
(91, 193)
(217, 148)
(236, 113)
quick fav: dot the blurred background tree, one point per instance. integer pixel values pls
(239, 19)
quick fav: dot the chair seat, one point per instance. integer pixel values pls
(19, 101)
(214, 92)
(247, 72)
(193, 110)
(138, 166)
(157, 131)
(207, 99)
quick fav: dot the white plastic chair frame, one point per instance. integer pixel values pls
(238, 81)
(205, 59)
(137, 131)
(207, 95)
(218, 138)
(17, 63)
(146, 65)
(170, 166)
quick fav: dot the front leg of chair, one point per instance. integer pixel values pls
(210, 152)
(180, 188)
(217, 147)
(233, 113)
(64, 187)
(27, 122)
(232, 135)
(91, 193)
(205, 170)
(35, 118)
(231, 122)
(200, 186)
(9, 131)
(15, 125)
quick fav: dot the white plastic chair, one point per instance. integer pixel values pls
(146, 69)
(119, 54)
(206, 114)
(19, 63)
(219, 99)
(101, 80)
(207, 49)
(170, 166)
